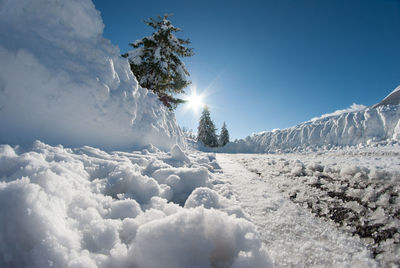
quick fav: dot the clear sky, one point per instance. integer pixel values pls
(274, 63)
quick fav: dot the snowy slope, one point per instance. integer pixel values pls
(345, 129)
(62, 82)
(392, 99)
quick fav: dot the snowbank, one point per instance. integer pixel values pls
(344, 129)
(84, 207)
(63, 83)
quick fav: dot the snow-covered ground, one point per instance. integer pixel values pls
(85, 207)
(327, 208)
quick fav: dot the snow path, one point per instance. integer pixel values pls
(292, 235)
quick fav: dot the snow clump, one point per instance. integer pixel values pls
(85, 207)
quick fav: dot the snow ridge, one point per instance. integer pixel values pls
(392, 99)
(346, 129)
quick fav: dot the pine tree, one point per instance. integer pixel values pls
(224, 136)
(206, 132)
(155, 61)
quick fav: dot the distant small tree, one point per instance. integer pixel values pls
(155, 61)
(224, 136)
(206, 132)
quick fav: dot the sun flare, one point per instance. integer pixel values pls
(195, 101)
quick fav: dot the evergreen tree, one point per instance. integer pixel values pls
(224, 136)
(156, 64)
(206, 132)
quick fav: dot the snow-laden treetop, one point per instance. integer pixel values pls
(62, 82)
(156, 62)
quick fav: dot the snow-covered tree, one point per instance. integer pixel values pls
(206, 132)
(224, 136)
(155, 61)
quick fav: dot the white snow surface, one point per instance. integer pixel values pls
(85, 207)
(340, 129)
(62, 82)
(337, 208)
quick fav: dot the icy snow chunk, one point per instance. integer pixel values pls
(128, 230)
(182, 180)
(33, 224)
(126, 180)
(198, 238)
(203, 197)
(178, 155)
(102, 236)
(151, 148)
(121, 209)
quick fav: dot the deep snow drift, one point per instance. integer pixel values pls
(63, 83)
(88, 208)
(345, 129)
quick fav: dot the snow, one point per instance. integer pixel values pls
(333, 208)
(353, 108)
(85, 207)
(340, 129)
(156, 203)
(62, 82)
(293, 236)
(392, 99)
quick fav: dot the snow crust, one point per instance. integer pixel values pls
(341, 129)
(62, 82)
(85, 207)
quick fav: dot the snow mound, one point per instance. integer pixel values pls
(178, 155)
(203, 196)
(62, 82)
(89, 208)
(392, 99)
(209, 238)
(344, 129)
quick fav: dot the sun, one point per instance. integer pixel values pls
(195, 101)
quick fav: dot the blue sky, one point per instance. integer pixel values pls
(274, 64)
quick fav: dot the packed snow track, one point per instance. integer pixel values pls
(321, 209)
